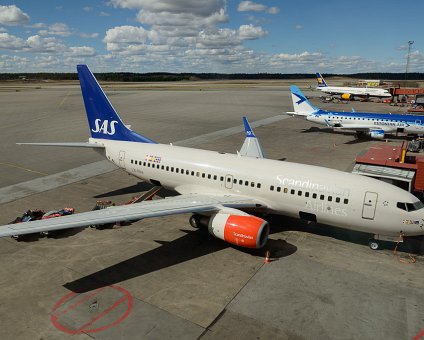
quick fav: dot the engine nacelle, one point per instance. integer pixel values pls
(346, 96)
(376, 134)
(241, 230)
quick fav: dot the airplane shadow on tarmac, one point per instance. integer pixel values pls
(197, 243)
(194, 244)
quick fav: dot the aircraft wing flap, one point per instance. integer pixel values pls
(169, 206)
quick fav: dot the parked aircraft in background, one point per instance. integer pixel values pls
(346, 91)
(221, 190)
(374, 125)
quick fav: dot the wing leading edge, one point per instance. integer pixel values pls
(168, 206)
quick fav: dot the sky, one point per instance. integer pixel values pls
(223, 36)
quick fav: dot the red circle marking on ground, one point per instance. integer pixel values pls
(419, 336)
(57, 313)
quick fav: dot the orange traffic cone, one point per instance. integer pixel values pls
(267, 259)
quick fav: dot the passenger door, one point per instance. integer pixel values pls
(370, 203)
(229, 181)
(122, 159)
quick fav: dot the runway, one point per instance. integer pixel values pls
(160, 278)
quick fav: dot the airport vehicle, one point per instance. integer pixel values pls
(346, 92)
(223, 190)
(35, 215)
(374, 125)
(29, 215)
(58, 213)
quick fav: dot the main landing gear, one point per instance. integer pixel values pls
(376, 244)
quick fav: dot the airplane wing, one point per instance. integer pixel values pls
(168, 206)
(72, 145)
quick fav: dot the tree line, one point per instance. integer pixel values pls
(164, 76)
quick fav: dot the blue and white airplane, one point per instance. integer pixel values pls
(374, 125)
(223, 191)
(352, 91)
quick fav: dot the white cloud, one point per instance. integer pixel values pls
(202, 8)
(81, 51)
(11, 42)
(36, 25)
(89, 35)
(3, 30)
(104, 14)
(298, 27)
(36, 43)
(250, 6)
(250, 32)
(87, 8)
(59, 29)
(12, 16)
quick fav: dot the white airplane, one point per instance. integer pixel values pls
(352, 91)
(374, 125)
(220, 189)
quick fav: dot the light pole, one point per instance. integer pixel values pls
(410, 42)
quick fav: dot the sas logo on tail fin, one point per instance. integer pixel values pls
(105, 127)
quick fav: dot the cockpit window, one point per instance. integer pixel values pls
(410, 206)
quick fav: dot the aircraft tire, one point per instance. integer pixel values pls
(373, 244)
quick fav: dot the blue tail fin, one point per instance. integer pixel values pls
(103, 120)
(320, 80)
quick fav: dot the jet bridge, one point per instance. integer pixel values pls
(392, 164)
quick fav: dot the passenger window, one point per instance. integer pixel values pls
(148, 165)
(241, 182)
(299, 193)
(209, 176)
(330, 198)
(306, 194)
(278, 189)
(292, 191)
(234, 181)
(197, 174)
(203, 175)
(345, 201)
(258, 185)
(337, 199)
(285, 190)
(252, 184)
(221, 179)
(228, 179)
(144, 163)
(167, 168)
(246, 183)
(132, 162)
(314, 195)
(172, 169)
(177, 170)
(187, 172)
(321, 197)
(271, 188)
(215, 177)
(192, 173)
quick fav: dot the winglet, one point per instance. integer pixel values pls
(251, 146)
(103, 119)
(247, 128)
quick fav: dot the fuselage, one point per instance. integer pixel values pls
(314, 193)
(355, 91)
(387, 122)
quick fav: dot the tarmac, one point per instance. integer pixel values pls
(160, 278)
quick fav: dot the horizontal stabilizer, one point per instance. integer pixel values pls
(72, 145)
